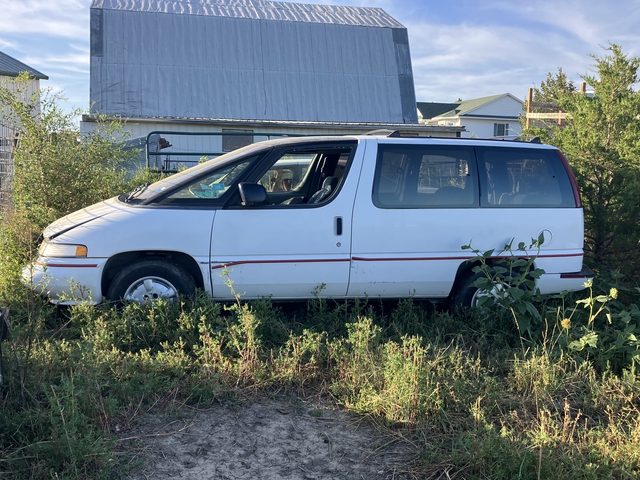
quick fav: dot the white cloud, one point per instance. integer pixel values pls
(459, 49)
(58, 18)
(592, 21)
(469, 60)
(6, 44)
(70, 62)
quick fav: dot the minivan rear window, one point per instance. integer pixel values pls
(425, 176)
(523, 177)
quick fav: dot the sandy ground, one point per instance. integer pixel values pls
(279, 437)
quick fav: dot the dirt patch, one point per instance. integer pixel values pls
(280, 437)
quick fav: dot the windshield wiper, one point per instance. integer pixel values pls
(136, 191)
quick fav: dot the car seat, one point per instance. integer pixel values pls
(328, 186)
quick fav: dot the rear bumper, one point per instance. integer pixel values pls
(560, 282)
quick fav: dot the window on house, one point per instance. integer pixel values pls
(232, 139)
(500, 129)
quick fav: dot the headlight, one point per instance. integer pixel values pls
(49, 249)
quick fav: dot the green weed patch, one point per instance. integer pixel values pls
(476, 397)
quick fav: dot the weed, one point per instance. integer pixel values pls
(474, 400)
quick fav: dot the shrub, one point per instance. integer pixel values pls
(58, 170)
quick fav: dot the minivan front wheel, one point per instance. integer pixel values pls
(149, 280)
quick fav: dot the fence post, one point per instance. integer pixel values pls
(529, 100)
(4, 325)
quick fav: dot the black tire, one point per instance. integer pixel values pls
(149, 280)
(466, 294)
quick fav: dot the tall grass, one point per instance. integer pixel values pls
(476, 398)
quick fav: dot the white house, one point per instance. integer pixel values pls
(10, 68)
(485, 117)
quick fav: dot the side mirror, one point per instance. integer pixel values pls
(252, 194)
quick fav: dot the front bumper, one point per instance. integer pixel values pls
(66, 281)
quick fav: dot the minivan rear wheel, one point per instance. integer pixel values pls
(468, 295)
(149, 280)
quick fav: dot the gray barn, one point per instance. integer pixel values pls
(251, 60)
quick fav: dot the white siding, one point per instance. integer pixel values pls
(483, 128)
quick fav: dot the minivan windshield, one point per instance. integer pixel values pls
(147, 194)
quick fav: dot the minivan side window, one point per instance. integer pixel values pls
(208, 189)
(307, 175)
(425, 176)
(287, 173)
(517, 177)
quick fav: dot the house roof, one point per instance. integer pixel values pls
(457, 109)
(432, 109)
(10, 67)
(260, 10)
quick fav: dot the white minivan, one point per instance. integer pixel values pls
(377, 216)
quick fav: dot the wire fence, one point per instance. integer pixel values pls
(8, 142)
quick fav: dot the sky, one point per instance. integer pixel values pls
(459, 49)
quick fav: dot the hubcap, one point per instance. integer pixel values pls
(148, 289)
(498, 292)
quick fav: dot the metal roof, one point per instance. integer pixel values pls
(430, 110)
(10, 67)
(280, 123)
(250, 59)
(259, 10)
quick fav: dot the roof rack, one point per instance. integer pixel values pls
(518, 138)
(385, 132)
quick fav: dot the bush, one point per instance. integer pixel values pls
(601, 140)
(57, 171)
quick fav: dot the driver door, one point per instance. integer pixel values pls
(289, 248)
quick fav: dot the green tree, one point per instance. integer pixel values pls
(57, 169)
(601, 139)
(553, 87)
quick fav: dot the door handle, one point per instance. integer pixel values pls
(338, 226)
